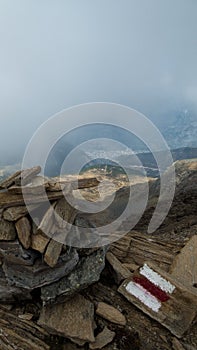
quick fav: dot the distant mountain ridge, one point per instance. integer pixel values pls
(147, 160)
(182, 132)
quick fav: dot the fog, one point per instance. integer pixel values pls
(59, 53)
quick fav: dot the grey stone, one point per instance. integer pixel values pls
(16, 254)
(39, 274)
(86, 272)
(10, 293)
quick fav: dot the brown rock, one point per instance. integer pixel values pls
(27, 190)
(23, 228)
(38, 185)
(184, 266)
(76, 181)
(10, 180)
(131, 267)
(121, 272)
(85, 182)
(72, 319)
(27, 175)
(102, 339)
(64, 214)
(53, 252)
(8, 199)
(27, 317)
(39, 242)
(14, 213)
(7, 231)
(47, 221)
(17, 333)
(136, 248)
(176, 345)
(110, 313)
(23, 176)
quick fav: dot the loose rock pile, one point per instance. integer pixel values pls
(32, 251)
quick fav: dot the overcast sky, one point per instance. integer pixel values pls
(59, 53)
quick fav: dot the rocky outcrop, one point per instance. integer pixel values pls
(75, 311)
(182, 213)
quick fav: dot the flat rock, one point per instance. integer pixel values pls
(14, 213)
(27, 190)
(9, 181)
(8, 199)
(76, 181)
(7, 231)
(52, 253)
(102, 339)
(86, 272)
(23, 228)
(72, 319)
(162, 297)
(20, 334)
(131, 267)
(110, 313)
(27, 316)
(39, 274)
(16, 254)
(136, 248)
(184, 266)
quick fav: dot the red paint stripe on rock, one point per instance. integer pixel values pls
(151, 288)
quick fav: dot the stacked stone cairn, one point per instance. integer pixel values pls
(34, 253)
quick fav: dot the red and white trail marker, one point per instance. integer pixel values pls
(163, 298)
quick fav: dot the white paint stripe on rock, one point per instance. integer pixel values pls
(144, 296)
(155, 278)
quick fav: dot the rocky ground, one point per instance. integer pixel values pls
(99, 316)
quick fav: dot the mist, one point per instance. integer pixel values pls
(56, 54)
